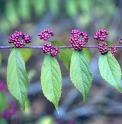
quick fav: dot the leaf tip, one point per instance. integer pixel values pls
(57, 110)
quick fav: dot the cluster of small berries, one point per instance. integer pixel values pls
(12, 109)
(113, 50)
(54, 50)
(103, 47)
(101, 34)
(120, 40)
(45, 34)
(78, 39)
(19, 39)
(3, 87)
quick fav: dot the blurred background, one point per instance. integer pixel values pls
(104, 103)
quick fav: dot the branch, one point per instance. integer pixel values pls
(61, 47)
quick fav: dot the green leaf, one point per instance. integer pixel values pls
(110, 70)
(11, 13)
(3, 102)
(25, 10)
(26, 53)
(84, 5)
(39, 7)
(45, 120)
(64, 54)
(87, 53)
(80, 73)
(3, 121)
(27, 106)
(51, 79)
(54, 5)
(17, 79)
(71, 7)
(4, 25)
(0, 58)
(109, 43)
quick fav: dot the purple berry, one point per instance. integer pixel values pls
(113, 50)
(71, 121)
(45, 34)
(19, 39)
(47, 47)
(120, 40)
(3, 87)
(78, 39)
(5, 113)
(54, 51)
(101, 34)
(103, 47)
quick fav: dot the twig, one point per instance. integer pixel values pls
(61, 47)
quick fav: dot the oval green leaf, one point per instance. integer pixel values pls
(110, 70)
(80, 73)
(17, 79)
(51, 79)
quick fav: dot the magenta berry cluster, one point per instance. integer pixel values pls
(101, 34)
(12, 107)
(103, 47)
(3, 87)
(113, 50)
(78, 39)
(54, 50)
(10, 111)
(45, 34)
(47, 47)
(120, 40)
(19, 39)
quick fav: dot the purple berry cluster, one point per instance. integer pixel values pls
(47, 47)
(78, 39)
(101, 34)
(3, 87)
(72, 121)
(103, 47)
(12, 109)
(45, 34)
(113, 50)
(19, 39)
(120, 40)
(54, 50)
